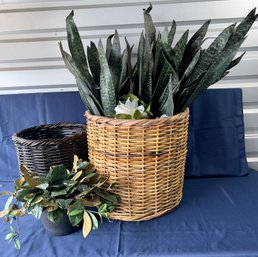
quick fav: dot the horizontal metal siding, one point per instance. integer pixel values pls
(29, 31)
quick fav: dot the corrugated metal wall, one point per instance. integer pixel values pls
(29, 31)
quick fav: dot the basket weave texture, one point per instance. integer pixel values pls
(145, 158)
(43, 146)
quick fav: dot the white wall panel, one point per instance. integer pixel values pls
(30, 30)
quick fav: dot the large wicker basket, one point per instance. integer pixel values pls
(146, 158)
(43, 146)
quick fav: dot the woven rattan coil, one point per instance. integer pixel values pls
(145, 158)
(43, 146)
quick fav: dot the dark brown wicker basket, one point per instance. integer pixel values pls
(43, 146)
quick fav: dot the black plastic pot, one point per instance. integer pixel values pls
(64, 227)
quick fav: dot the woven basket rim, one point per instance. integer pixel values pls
(136, 123)
(17, 137)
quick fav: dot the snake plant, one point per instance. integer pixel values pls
(166, 78)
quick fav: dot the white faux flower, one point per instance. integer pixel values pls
(163, 116)
(129, 108)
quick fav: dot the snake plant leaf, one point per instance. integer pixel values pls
(172, 33)
(235, 61)
(191, 66)
(82, 84)
(144, 64)
(167, 107)
(109, 46)
(72, 67)
(93, 106)
(77, 52)
(161, 85)
(164, 35)
(242, 29)
(215, 71)
(159, 60)
(124, 71)
(147, 89)
(207, 57)
(146, 75)
(140, 61)
(185, 92)
(115, 62)
(127, 70)
(169, 55)
(93, 59)
(75, 43)
(195, 43)
(129, 63)
(179, 50)
(150, 30)
(107, 89)
(168, 69)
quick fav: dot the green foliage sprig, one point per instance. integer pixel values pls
(167, 78)
(81, 193)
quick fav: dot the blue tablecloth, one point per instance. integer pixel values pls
(217, 217)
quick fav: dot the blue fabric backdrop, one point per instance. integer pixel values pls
(216, 145)
(216, 131)
(217, 216)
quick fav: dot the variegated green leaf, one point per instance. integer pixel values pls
(167, 107)
(216, 71)
(236, 61)
(150, 31)
(75, 43)
(77, 52)
(164, 36)
(109, 46)
(194, 44)
(141, 64)
(161, 85)
(93, 59)
(169, 55)
(208, 56)
(92, 106)
(191, 66)
(179, 50)
(242, 29)
(172, 33)
(82, 84)
(115, 62)
(159, 60)
(107, 89)
(184, 93)
(124, 71)
(127, 70)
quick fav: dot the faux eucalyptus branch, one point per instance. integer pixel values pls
(81, 194)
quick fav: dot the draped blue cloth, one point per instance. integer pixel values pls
(217, 216)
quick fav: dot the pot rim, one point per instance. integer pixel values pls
(19, 138)
(143, 123)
